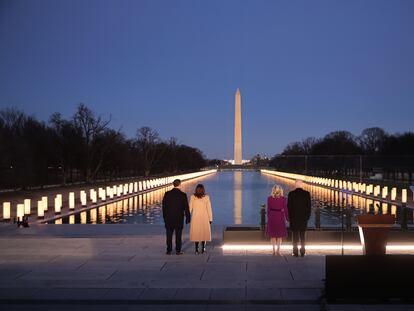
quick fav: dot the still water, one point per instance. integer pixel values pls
(236, 198)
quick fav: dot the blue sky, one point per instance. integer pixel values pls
(304, 68)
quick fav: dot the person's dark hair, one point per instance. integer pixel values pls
(176, 182)
(199, 191)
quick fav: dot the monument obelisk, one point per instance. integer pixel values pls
(238, 157)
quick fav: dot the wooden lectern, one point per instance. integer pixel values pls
(373, 231)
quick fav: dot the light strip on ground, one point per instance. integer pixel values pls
(397, 247)
(260, 247)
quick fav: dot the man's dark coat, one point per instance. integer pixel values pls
(174, 207)
(299, 208)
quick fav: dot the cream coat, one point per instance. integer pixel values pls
(201, 215)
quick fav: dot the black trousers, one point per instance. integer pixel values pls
(178, 242)
(203, 245)
(295, 239)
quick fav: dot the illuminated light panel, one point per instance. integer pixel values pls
(402, 247)
(83, 198)
(27, 206)
(71, 200)
(384, 192)
(40, 209)
(393, 194)
(404, 196)
(260, 247)
(20, 212)
(342, 184)
(45, 203)
(6, 210)
(102, 193)
(58, 204)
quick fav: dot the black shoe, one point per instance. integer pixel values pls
(168, 253)
(295, 255)
(302, 255)
(203, 250)
(179, 253)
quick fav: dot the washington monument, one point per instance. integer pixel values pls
(238, 154)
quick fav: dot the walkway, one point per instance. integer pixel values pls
(45, 267)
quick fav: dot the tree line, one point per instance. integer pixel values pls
(341, 153)
(83, 148)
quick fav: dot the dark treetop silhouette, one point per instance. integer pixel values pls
(83, 148)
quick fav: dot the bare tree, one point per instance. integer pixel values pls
(172, 150)
(91, 127)
(308, 143)
(12, 119)
(372, 140)
(150, 147)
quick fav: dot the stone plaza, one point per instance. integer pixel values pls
(124, 267)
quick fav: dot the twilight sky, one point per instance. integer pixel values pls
(304, 68)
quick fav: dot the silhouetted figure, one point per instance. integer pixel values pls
(174, 207)
(299, 207)
(371, 209)
(22, 223)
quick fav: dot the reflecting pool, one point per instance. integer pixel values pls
(236, 198)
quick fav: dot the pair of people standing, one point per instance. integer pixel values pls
(296, 209)
(198, 214)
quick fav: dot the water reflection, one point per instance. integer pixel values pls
(238, 205)
(236, 198)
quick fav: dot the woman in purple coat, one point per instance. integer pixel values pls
(277, 215)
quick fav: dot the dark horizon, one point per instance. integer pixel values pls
(286, 149)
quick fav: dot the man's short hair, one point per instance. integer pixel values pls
(176, 182)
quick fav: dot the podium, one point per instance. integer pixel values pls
(373, 231)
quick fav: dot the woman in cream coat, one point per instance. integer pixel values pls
(201, 218)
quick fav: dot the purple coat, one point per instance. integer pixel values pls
(277, 214)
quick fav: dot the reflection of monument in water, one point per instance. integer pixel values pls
(238, 154)
(238, 205)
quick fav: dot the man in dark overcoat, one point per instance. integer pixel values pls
(174, 207)
(299, 208)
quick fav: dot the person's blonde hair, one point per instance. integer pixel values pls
(277, 191)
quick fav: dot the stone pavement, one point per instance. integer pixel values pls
(76, 267)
